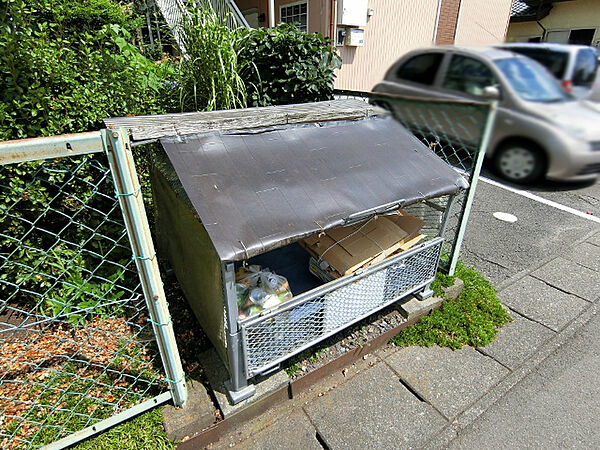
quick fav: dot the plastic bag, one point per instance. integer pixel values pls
(259, 289)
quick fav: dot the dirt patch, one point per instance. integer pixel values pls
(60, 379)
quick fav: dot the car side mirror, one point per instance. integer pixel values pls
(491, 92)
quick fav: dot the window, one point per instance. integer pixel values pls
(583, 36)
(586, 65)
(421, 69)
(554, 61)
(468, 75)
(530, 81)
(296, 13)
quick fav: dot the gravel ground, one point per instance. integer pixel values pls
(345, 341)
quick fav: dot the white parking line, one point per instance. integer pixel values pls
(539, 199)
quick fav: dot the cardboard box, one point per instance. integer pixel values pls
(344, 250)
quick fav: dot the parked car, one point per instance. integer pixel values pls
(576, 66)
(539, 129)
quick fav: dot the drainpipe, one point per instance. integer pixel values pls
(271, 13)
(331, 20)
(437, 22)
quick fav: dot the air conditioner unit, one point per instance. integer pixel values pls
(352, 13)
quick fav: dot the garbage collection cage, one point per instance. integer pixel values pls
(228, 198)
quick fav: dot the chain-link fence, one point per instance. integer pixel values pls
(457, 131)
(77, 339)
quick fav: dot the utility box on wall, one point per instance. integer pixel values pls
(355, 37)
(352, 12)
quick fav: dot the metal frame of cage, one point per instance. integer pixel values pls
(257, 345)
(260, 343)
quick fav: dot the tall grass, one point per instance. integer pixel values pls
(209, 74)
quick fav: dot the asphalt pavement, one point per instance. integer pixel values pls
(536, 385)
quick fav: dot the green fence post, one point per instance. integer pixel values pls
(485, 139)
(118, 150)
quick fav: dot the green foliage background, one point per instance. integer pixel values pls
(67, 64)
(64, 66)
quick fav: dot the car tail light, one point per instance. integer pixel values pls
(567, 85)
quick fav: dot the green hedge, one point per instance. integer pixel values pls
(64, 71)
(282, 65)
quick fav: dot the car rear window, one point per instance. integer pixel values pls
(586, 65)
(555, 62)
(421, 68)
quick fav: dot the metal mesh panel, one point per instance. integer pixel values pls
(453, 130)
(278, 336)
(76, 344)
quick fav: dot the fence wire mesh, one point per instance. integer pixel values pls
(454, 130)
(76, 343)
(278, 336)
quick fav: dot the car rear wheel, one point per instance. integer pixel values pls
(519, 163)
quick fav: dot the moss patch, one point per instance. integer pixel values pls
(145, 431)
(472, 319)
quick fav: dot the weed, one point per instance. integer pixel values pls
(293, 369)
(209, 76)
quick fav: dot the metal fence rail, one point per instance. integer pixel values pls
(458, 132)
(83, 327)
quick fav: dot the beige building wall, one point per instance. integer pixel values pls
(396, 27)
(563, 16)
(521, 31)
(482, 22)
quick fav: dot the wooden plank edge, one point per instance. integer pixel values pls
(163, 125)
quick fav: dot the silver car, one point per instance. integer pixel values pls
(575, 66)
(539, 131)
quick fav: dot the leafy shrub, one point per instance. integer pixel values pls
(75, 17)
(60, 74)
(62, 246)
(283, 65)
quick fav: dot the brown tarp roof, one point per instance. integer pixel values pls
(256, 190)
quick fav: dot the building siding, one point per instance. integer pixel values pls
(482, 22)
(396, 27)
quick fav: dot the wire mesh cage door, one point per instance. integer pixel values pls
(77, 340)
(309, 318)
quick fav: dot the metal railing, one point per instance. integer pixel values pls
(86, 340)
(458, 132)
